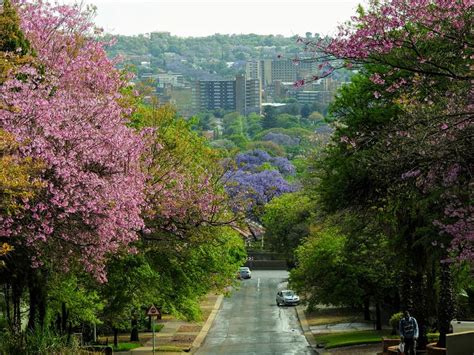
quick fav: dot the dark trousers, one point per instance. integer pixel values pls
(410, 348)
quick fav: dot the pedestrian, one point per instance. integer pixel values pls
(408, 333)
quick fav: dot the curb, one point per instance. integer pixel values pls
(205, 329)
(305, 327)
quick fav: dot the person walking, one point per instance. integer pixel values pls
(408, 333)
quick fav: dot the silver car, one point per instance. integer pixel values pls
(245, 273)
(287, 298)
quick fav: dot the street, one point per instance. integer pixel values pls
(250, 322)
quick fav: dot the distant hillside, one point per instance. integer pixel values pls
(213, 57)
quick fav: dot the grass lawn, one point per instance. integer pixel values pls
(335, 340)
(331, 315)
(126, 346)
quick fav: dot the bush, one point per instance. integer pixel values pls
(395, 321)
(158, 327)
(46, 341)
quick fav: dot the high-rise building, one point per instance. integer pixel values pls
(253, 70)
(242, 95)
(284, 70)
(214, 94)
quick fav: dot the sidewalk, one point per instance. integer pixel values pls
(178, 336)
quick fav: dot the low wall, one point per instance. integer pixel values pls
(460, 343)
(386, 343)
(432, 349)
(460, 326)
(266, 264)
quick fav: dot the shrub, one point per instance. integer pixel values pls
(395, 321)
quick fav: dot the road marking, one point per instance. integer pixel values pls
(258, 285)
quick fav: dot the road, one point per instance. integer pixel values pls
(250, 322)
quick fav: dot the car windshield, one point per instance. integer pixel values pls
(244, 269)
(288, 293)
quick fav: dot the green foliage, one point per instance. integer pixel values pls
(286, 222)
(270, 147)
(128, 290)
(81, 302)
(126, 346)
(305, 111)
(205, 57)
(395, 322)
(187, 271)
(344, 265)
(12, 38)
(45, 341)
(158, 327)
(323, 272)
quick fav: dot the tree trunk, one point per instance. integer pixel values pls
(134, 333)
(64, 317)
(419, 310)
(446, 303)
(366, 308)
(378, 316)
(115, 337)
(37, 293)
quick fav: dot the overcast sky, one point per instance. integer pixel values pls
(201, 18)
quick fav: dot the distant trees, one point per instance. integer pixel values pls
(256, 179)
(166, 51)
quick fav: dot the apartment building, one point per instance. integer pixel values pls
(242, 95)
(283, 70)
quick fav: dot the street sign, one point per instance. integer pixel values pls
(153, 311)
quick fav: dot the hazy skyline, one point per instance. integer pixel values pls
(200, 18)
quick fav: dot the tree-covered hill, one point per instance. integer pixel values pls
(216, 56)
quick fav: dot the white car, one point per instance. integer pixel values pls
(287, 298)
(245, 273)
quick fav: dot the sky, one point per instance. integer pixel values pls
(206, 17)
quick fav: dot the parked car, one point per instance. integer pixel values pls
(245, 273)
(287, 298)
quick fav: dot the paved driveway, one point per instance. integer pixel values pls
(250, 322)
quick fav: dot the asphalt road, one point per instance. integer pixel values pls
(250, 322)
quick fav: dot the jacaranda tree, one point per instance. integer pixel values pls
(64, 108)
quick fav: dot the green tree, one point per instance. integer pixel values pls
(305, 110)
(132, 286)
(269, 117)
(286, 220)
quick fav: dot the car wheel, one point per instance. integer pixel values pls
(278, 303)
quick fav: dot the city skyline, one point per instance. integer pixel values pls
(195, 18)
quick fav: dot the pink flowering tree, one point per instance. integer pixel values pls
(66, 110)
(411, 137)
(183, 188)
(420, 55)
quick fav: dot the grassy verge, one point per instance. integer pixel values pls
(126, 346)
(335, 340)
(323, 316)
(158, 327)
(169, 348)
